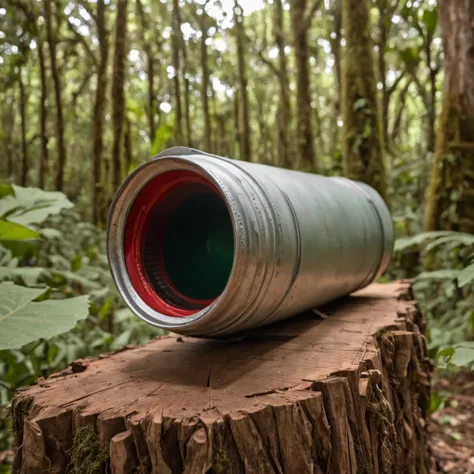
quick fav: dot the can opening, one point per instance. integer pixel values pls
(179, 243)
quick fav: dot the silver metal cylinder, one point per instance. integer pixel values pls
(300, 240)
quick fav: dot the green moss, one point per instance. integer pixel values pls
(221, 462)
(87, 455)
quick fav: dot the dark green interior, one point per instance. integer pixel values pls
(197, 247)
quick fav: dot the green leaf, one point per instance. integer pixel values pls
(466, 275)
(464, 354)
(32, 205)
(437, 275)
(121, 340)
(22, 320)
(12, 231)
(446, 354)
(30, 276)
(405, 242)
(430, 19)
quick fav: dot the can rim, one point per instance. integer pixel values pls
(118, 214)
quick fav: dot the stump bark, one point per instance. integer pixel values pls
(344, 389)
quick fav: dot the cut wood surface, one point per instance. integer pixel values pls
(342, 389)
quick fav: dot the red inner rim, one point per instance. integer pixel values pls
(136, 229)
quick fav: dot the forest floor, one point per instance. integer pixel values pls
(451, 430)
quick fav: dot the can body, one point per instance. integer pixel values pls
(299, 240)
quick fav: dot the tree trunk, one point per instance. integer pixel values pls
(432, 100)
(304, 134)
(398, 117)
(245, 133)
(150, 66)
(284, 111)
(205, 84)
(43, 167)
(384, 25)
(24, 143)
(51, 36)
(450, 204)
(187, 101)
(98, 197)
(118, 97)
(8, 126)
(344, 394)
(362, 140)
(127, 146)
(176, 42)
(237, 129)
(335, 43)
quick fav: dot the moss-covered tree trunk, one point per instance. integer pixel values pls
(118, 96)
(98, 210)
(362, 136)
(301, 21)
(450, 203)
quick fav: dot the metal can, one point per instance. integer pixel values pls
(208, 246)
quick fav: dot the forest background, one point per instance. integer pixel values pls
(381, 91)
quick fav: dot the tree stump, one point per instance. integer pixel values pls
(341, 390)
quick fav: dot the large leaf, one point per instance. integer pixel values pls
(22, 320)
(13, 231)
(405, 242)
(32, 205)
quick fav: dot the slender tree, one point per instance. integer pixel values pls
(245, 133)
(187, 99)
(24, 143)
(335, 42)
(61, 147)
(301, 18)
(43, 168)
(450, 204)
(99, 112)
(176, 38)
(203, 20)
(148, 41)
(284, 108)
(118, 96)
(362, 140)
